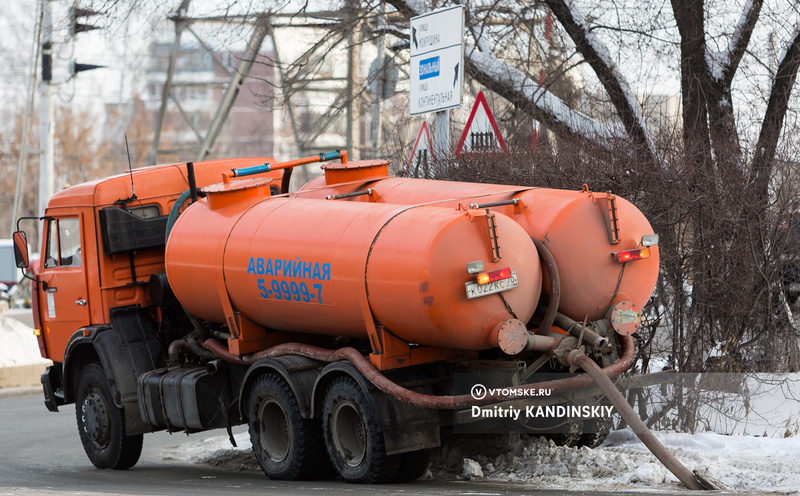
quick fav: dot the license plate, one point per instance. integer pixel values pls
(475, 290)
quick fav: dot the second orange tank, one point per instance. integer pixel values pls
(324, 267)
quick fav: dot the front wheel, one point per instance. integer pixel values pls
(101, 424)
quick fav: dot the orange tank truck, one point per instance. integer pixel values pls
(591, 236)
(346, 325)
(313, 266)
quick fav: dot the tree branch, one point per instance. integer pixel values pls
(778, 105)
(598, 57)
(740, 39)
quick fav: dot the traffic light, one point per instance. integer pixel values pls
(77, 16)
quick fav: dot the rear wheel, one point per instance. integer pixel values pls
(101, 424)
(353, 436)
(286, 445)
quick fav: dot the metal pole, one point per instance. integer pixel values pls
(441, 136)
(180, 25)
(353, 76)
(287, 105)
(379, 86)
(46, 179)
(23, 151)
(259, 32)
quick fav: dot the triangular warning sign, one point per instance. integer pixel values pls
(421, 162)
(481, 134)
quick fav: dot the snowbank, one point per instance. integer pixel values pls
(21, 363)
(18, 345)
(734, 462)
(739, 463)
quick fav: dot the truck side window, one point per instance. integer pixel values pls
(63, 243)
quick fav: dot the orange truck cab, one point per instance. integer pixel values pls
(189, 297)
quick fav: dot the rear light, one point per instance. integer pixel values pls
(495, 275)
(630, 255)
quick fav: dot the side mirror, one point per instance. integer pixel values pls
(21, 256)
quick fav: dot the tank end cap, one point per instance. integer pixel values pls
(512, 336)
(625, 318)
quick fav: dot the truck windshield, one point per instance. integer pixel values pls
(63, 243)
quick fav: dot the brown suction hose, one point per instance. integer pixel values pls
(637, 426)
(405, 395)
(549, 263)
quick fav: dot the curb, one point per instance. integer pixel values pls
(20, 376)
(15, 392)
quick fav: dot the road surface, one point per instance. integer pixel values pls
(41, 454)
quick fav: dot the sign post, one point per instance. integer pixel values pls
(437, 68)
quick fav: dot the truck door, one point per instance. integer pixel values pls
(64, 299)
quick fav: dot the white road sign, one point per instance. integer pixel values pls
(481, 134)
(437, 60)
(422, 160)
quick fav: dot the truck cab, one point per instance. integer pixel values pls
(101, 243)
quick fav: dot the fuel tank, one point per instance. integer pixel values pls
(325, 267)
(584, 230)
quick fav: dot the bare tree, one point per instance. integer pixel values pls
(717, 186)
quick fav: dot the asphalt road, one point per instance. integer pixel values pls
(40, 454)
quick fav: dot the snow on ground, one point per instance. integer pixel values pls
(18, 345)
(745, 464)
(734, 462)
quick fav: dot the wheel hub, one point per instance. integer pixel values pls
(274, 430)
(349, 434)
(95, 419)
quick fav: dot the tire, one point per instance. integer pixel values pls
(353, 436)
(286, 446)
(101, 424)
(412, 466)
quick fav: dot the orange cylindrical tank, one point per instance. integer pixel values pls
(570, 223)
(322, 267)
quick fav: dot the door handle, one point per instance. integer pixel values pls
(81, 302)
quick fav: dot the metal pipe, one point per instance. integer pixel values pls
(260, 169)
(363, 192)
(549, 263)
(286, 179)
(577, 329)
(637, 426)
(494, 204)
(215, 366)
(174, 350)
(192, 181)
(417, 399)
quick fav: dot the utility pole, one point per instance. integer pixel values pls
(380, 80)
(353, 109)
(46, 153)
(22, 166)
